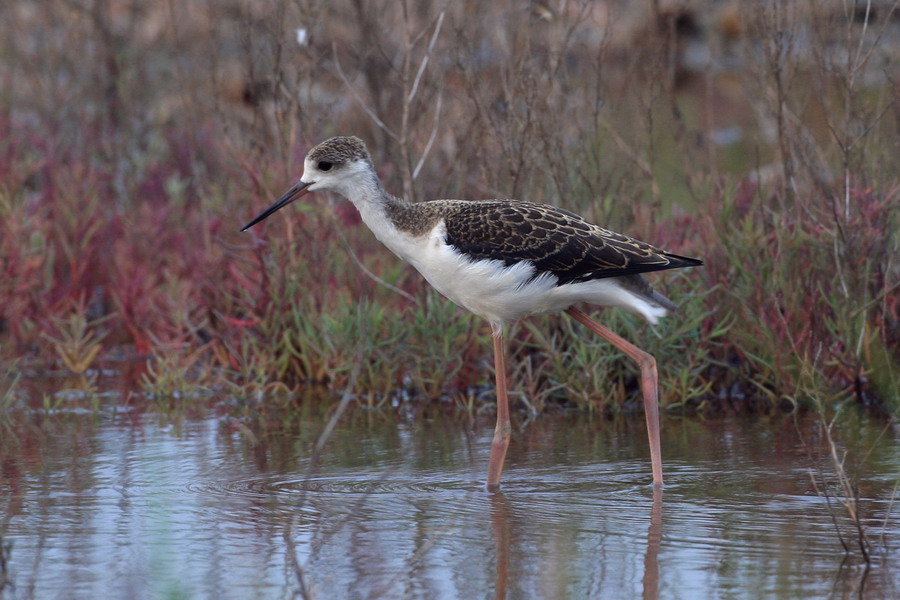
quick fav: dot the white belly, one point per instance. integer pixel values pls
(504, 294)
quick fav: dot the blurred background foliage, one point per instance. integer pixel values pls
(137, 136)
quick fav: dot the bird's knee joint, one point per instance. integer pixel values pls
(646, 362)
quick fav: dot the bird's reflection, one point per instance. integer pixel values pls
(654, 538)
(500, 530)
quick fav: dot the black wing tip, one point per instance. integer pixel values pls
(674, 261)
(677, 261)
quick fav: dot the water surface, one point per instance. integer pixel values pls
(127, 505)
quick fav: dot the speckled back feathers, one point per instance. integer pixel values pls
(555, 240)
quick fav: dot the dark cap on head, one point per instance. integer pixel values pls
(340, 150)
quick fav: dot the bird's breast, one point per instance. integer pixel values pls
(488, 288)
(496, 291)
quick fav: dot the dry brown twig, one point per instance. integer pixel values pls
(848, 496)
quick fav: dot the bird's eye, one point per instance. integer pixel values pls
(325, 165)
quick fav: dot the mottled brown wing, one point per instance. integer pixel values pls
(555, 240)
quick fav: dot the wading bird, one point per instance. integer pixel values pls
(503, 260)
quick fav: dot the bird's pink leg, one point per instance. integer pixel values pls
(649, 384)
(503, 429)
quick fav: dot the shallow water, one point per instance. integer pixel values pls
(127, 505)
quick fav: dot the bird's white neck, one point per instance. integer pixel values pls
(374, 204)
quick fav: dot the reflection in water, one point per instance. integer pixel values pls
(500, 528)
(128, 506)
(654, 538)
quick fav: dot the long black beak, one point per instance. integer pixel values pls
(299, 190)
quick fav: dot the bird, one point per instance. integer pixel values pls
(503, 260)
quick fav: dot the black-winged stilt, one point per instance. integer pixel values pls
(503, 260)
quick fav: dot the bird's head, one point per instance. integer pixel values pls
(337, 164)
